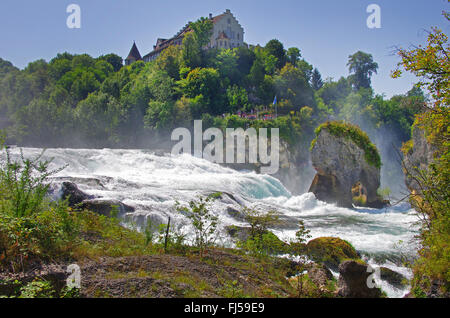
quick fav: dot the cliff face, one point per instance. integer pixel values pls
(340, 166)
(296, 171)
(417, 158)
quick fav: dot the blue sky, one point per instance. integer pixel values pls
(326, 31)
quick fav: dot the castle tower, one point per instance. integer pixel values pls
(133, 56)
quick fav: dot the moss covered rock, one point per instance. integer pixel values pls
(331, 251)
(343, 157)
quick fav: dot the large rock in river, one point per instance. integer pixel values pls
(74, 195)
(344, 157)
(106, 207)
(331, 251)
(353, 281)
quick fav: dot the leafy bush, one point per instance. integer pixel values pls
(24, 185)
(37, 289)
(432, 203)
(261, 242)
(263, 245)
(204, 222)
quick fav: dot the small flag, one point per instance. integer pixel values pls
(275, 101)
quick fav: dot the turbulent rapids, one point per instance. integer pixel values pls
(153, 183)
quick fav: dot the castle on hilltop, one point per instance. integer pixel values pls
(227, 33)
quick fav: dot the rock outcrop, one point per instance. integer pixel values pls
(106, 207)
(73, 195)
(417, 157)
(331, 251)
(319, 274)
(392, 277)
(341, 164)
(353, 277)
(80, 200)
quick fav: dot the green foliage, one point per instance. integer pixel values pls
(203, 221)
(362, 66)
(97, 102)
(316, 80)
(37, 289)
(302, 235)
(265, 245)
(261, 242)
(204, 82)
(293, 55)
(430, 64)
(23, 185)
(431, 201)
(331, 251)
(259, 221)
(276, 49)
(354, 133)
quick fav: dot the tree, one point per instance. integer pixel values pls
(316, 80)
(431, 64)
(237, 98)
(193, 42)
(276, 48)
(202, 29)
(113, 59)
(6, 67)
(245, 59)
(363, 67)
(204, 82)
(226, 64)
(431, 200)
(170, 61)
(293, 85)
(160, 115)
(203, 221)
(293, 55)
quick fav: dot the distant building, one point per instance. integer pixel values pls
(133, 56)
(227, 33)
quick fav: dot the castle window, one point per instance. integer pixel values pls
(229, 21)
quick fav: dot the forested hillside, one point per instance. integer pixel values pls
(81, 101)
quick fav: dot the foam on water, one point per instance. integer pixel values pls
(152, 184)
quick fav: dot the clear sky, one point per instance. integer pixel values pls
(326, 31)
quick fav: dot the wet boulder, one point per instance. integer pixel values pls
(106, 207)
(74, 195)
(354, 281)
(343, 157)
(331, 251)
(392, 277)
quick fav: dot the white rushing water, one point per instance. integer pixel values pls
(152, 184)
